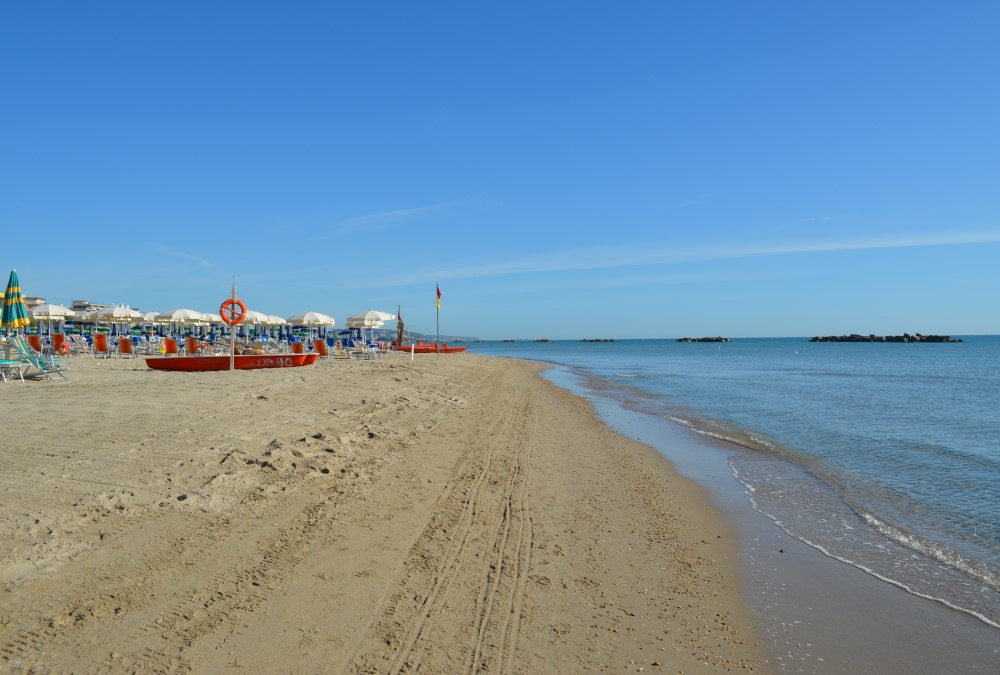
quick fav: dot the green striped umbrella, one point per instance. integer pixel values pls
(15, 314)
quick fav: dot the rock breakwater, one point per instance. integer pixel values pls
(905, 337)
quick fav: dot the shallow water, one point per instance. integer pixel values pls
(885, 456)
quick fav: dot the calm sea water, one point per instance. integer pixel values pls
(885, 456)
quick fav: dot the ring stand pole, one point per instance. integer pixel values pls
(232, 338)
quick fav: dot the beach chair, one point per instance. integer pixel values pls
(319, 346)
(35, 341)
(169, 346)
(297, 348)
(58, 340)
(78, 345)
(360, 351)
(46, 366)
(126, 348)
(101, 345)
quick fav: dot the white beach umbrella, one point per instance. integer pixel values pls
(254, 317)
(370, 319)
(50, 312)
(179, 315)
(120, 316)
(150, 317)
(116, 314)
(311, 319)
(86, 316)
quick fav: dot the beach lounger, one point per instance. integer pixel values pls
(50, 367)
(78, 345)
(361, 351)
(11, 366)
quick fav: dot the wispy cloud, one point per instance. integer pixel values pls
(380, 221)
(636, 256)
(167, 251)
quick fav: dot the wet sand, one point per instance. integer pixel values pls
(816, 614)
(453, 514)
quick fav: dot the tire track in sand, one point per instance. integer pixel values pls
(474, 578)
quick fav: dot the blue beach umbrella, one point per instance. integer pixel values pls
(15, 314)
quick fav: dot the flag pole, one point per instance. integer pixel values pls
(438, 317)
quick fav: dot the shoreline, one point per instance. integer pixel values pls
(452, 514)
(819, 614)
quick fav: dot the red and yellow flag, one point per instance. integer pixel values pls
(438, 296)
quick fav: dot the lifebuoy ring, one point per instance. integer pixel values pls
(63, 348)
(228, 311)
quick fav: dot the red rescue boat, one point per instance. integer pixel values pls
(432, 348)
(241, 362)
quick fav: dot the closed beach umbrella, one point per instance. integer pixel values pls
(15, 314)
(85, 317)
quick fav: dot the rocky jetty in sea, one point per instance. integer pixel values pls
(598, 340)
(905, 337)
(702, 339)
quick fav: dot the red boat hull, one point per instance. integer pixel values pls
(242, 362)
(431, 349)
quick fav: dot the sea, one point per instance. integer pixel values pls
(885, 456)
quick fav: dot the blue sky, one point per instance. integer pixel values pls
(562, 169)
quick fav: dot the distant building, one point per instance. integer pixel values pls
(85, 306)
(30, 301)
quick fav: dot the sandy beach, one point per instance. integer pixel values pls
(452, 514)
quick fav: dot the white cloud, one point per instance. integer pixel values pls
(379, 221)
(164, 250)
(635, 256)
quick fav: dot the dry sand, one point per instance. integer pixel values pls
(453, 514)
